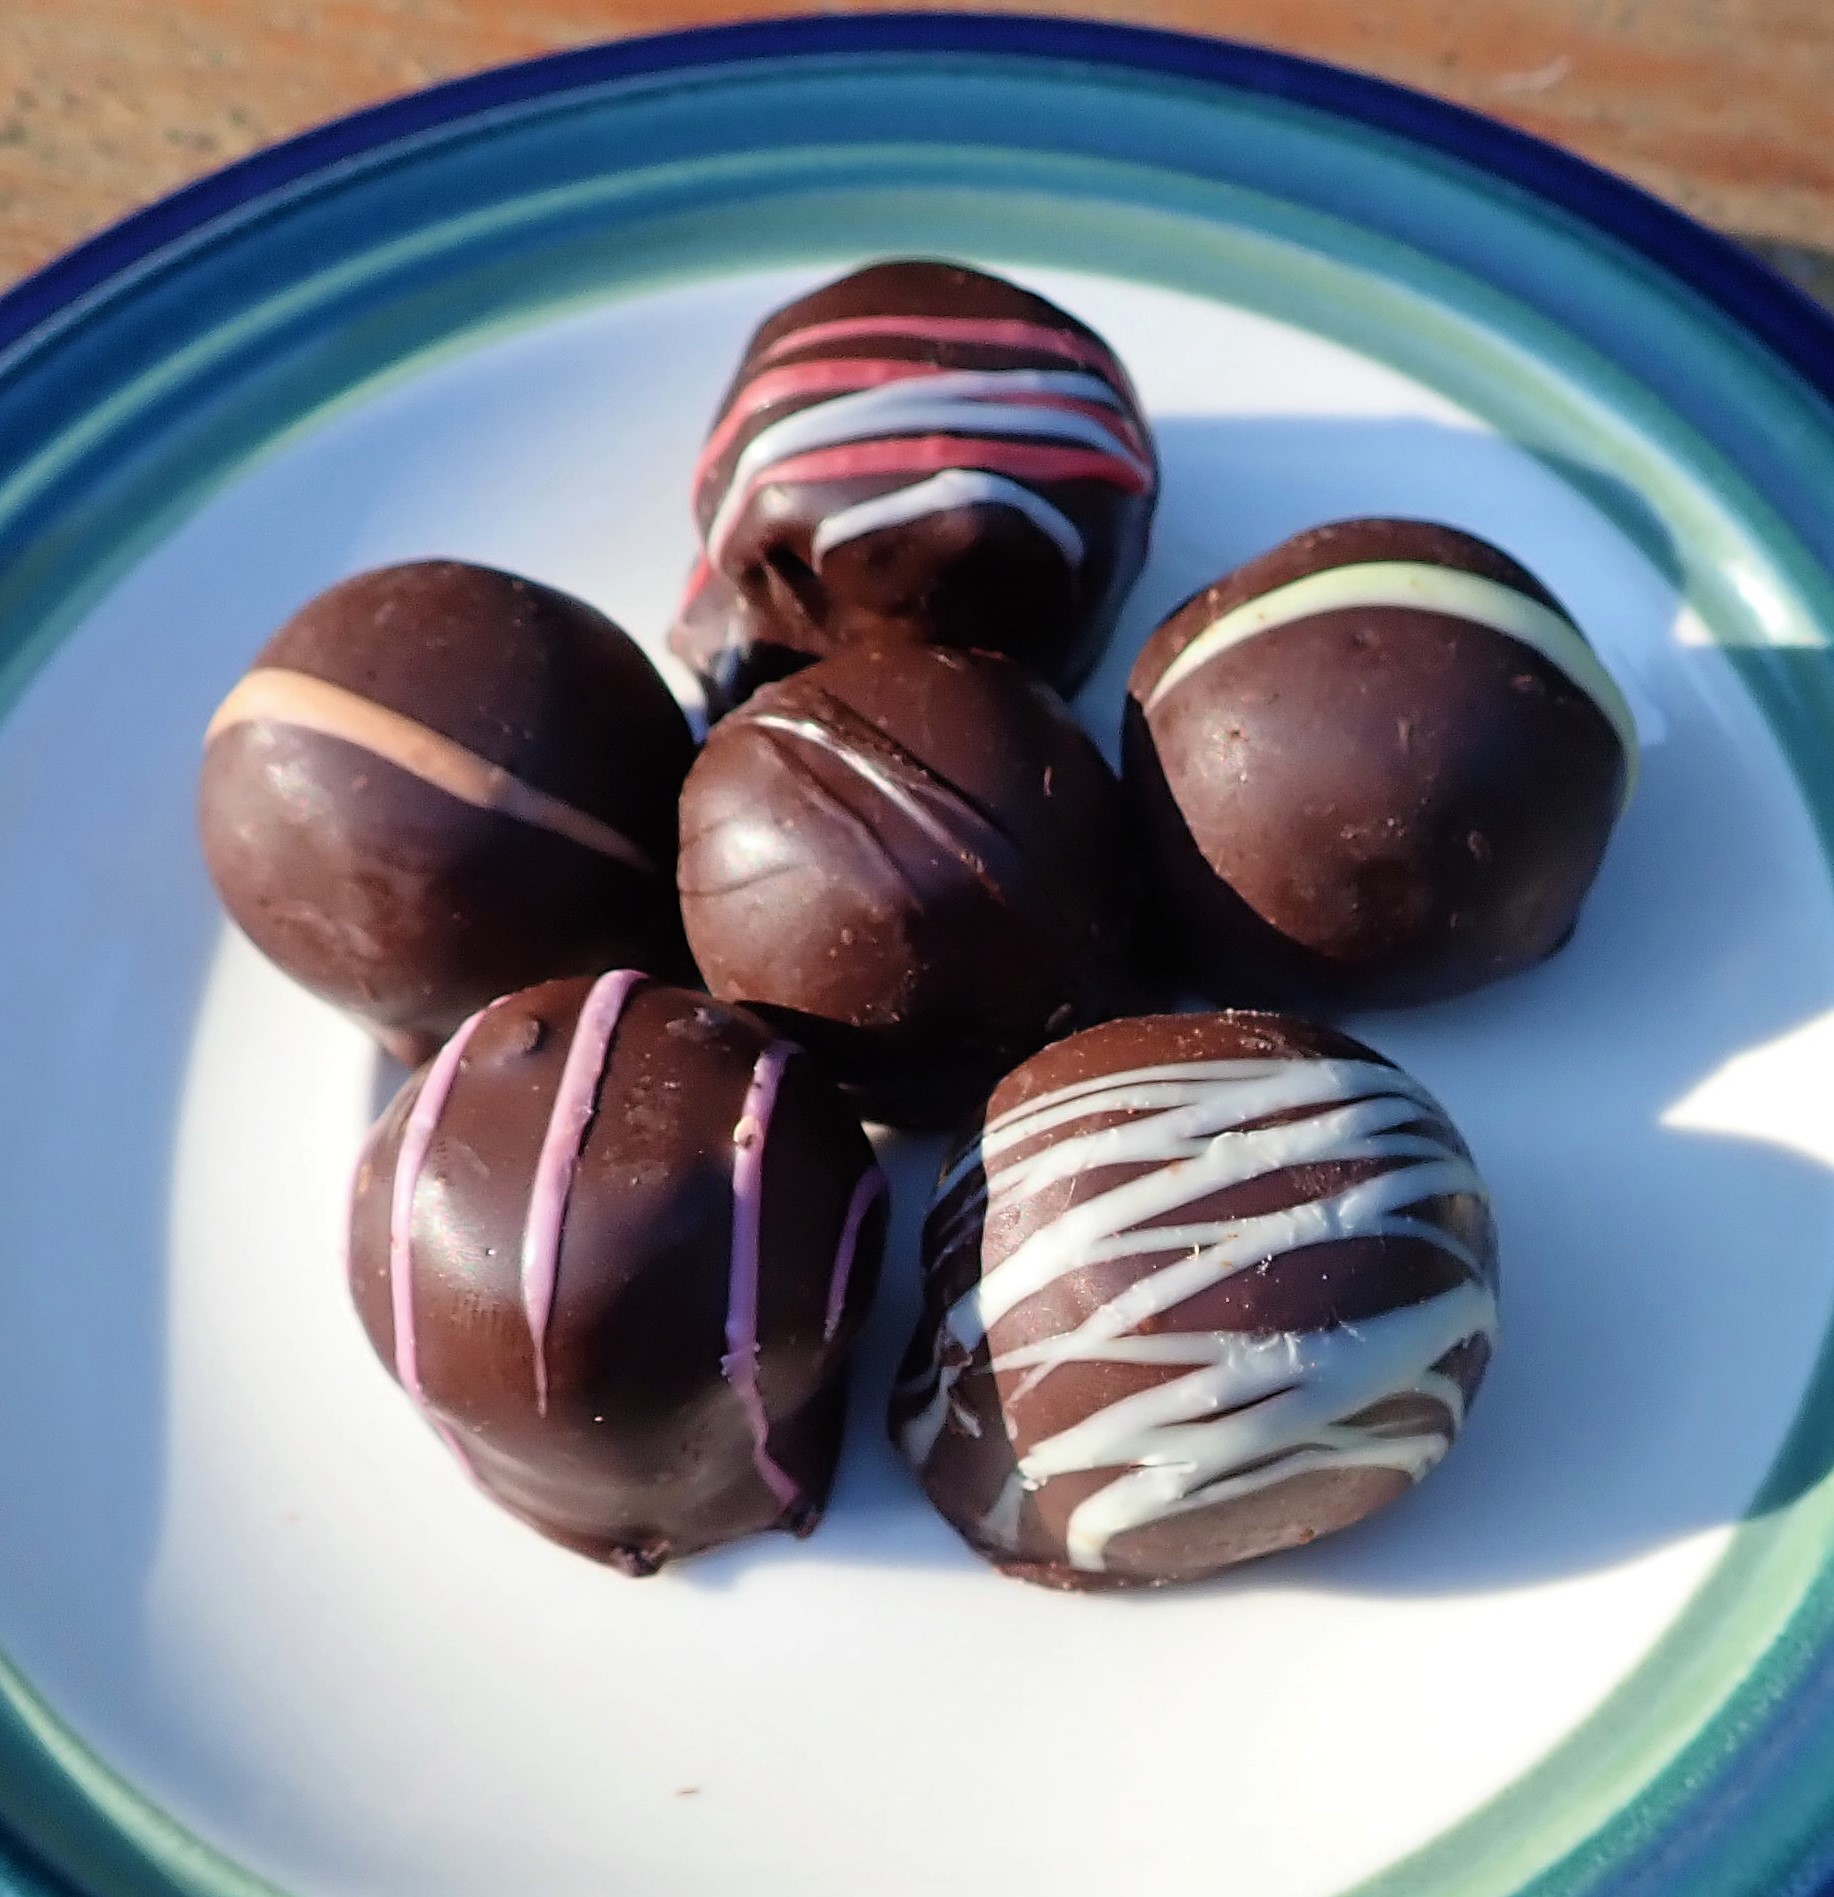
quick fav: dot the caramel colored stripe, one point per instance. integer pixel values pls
(275, 695)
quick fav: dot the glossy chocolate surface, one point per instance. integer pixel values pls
(917, 451)
(911, 859)
(440, 783)
(616, 1241)
(1377, 799)
(1197, 1288)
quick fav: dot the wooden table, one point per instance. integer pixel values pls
(1719, 105)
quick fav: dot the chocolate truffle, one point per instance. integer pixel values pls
(1197, 1288)
(909, 858)
(1377, 765)
(922, 451)
(616, 1240)
(439, 783)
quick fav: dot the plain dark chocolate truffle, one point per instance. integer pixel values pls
(439, 783)
(911, 859)
(1377, 765)
(1197, 1288)
(615, 1240)
(917, 451)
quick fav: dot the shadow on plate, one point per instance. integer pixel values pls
(1661, 1304)
(1664, 1287)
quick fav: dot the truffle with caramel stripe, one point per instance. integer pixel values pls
(615, 1241)
(911, 859)
(1376, 765)
(439, 783)
(918, 450)
(1198, 1288)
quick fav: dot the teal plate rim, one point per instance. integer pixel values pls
(108, 434)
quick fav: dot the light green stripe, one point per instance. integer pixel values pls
(1427, 588)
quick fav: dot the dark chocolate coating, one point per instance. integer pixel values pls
(1342, 1350)
(911, 859)
(1369, 806)
(646, 1451)
(972, 575)
(394, 898)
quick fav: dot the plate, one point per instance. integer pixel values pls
(259, 1635)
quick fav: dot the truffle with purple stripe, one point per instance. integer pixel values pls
(615, 1241)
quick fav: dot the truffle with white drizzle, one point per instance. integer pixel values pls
(439, 783)
(615, 1241)
(1377, 765)
(911, 859)
(918, 450)
(1198, 1288)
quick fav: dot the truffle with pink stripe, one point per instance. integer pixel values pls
(615, 1242)
(920, 451)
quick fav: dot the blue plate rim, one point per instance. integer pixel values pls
(1739, 284)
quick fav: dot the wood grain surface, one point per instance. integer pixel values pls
(1721, 106)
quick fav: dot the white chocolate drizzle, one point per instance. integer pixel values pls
(1253, 1408)
(873, 771)
(952, 488)
(1050, 406)
(1424, 587)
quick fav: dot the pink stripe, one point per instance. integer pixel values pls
(988, 332)
(866, 1195)
(698, 578)
(740, 1364)
(450, 1437)
(574, 1102)
(930, 454)
(836, 376)
(1110, 418)
(410, 1160)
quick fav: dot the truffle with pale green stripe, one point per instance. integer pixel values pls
(1376, 765)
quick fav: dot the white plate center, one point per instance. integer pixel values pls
(257, 1586)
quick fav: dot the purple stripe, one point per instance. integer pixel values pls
(866, 1195)
(410, 1162)
(416, 1138)
(574, 1102)
(740, 1364)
